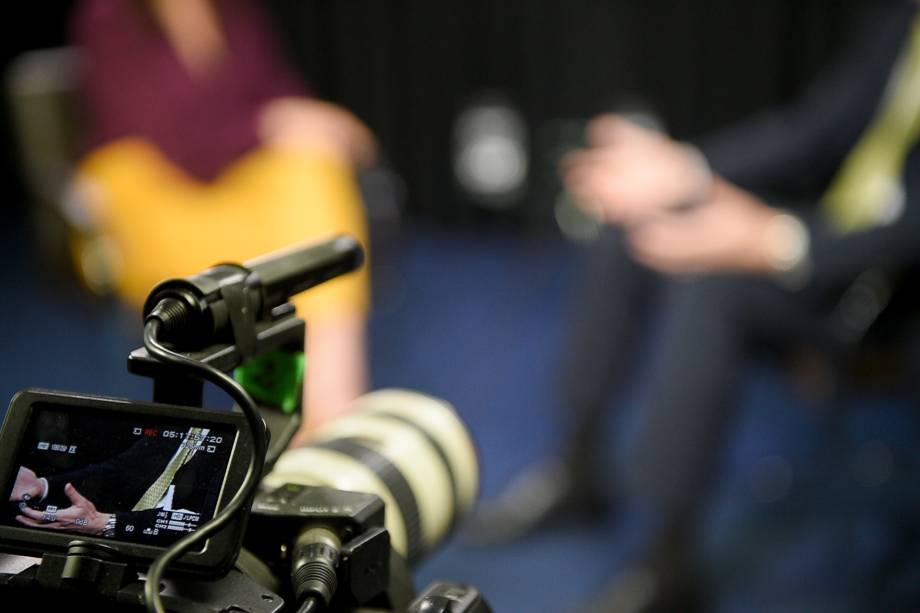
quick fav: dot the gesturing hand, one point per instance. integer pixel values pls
(27, 486)
(730, 233)
(81, 516)
(632, 173)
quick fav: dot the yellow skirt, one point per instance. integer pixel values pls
(163, 223)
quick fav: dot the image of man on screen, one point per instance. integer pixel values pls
(156, 490)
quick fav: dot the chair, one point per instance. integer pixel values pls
(46, 121)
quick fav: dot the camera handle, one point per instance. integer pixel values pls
(171, 385)
(227, 315)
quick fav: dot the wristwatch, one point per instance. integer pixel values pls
(109, 530)
(788, 247)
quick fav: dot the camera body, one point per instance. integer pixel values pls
(96, 489)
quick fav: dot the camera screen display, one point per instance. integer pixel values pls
(139, 478)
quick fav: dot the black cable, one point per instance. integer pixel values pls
(310, 605)
(253, 473)
(314, 562)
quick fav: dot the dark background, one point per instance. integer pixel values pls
(407, 66)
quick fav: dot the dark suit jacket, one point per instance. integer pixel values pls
(790, 154)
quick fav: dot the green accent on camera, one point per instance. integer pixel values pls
(274, 379)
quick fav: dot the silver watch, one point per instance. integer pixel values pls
(109, 530)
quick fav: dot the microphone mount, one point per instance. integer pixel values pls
(225, 302)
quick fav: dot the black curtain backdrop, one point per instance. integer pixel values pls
(408, 66)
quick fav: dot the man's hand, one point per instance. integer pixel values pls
(633, 173)
(729, 233)
(81, 516)
(306, 123)
(27, 487)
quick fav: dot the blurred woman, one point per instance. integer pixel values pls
(202, 147)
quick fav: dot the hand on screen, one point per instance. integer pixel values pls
(81, 516)
(27, 487)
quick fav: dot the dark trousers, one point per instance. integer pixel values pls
(704, 329)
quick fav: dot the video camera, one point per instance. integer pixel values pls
(101, 495)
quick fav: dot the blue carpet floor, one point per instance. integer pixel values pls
(812, 509)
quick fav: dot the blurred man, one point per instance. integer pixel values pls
(735, 248)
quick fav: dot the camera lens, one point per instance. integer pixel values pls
(409, 449)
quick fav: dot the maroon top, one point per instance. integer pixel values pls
(135, 85)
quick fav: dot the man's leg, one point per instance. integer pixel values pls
(706, 332)
(604, 326)
(710, 326)
(606, 330)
